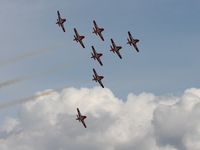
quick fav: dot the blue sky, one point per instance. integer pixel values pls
(168, 61)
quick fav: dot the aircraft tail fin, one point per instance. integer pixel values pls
(112, 49)
(93, 56)
(94, 78)
(75, 38)
(94, 31)
(129, 42)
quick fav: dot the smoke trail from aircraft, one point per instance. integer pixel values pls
(26, 55)
(26, 133)
(9, 82)
(15, 102)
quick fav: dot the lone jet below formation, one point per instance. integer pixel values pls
(96, 55)
(81, 118)
(60, 21)
(132, 41)
(78, 38)
(115, 48)
(97, 78)
(98, 30)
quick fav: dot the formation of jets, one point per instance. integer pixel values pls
(95, 55)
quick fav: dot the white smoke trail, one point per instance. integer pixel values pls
(12, 81)
(26, 133)
(15, 102)
(27, 55)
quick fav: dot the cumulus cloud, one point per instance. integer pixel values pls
(143, 121)
(178, 124)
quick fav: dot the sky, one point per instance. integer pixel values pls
(150, 99)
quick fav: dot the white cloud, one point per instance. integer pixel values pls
(143, 121)
(178, 124)
(9, 124)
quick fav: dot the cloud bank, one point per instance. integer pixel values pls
(142, 122)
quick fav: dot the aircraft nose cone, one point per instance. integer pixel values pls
(101, 77)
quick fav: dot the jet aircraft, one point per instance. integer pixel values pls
(60, 21)
(132, 41)
(96, 55)
(98, 30)
(81, 118)
(97, 78)
(115, 48)
(78, 38)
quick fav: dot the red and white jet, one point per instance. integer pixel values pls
(81, 118)
(78, 38)
(115, 48)
(96, 55)
(98, 30)
(60, 21)
(132, 41)
(97, 78)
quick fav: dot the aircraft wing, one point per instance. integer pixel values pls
(83, 122)
(101, 36)
(130, 36)
(76, 32)
(95, 24)
(79, 114)
(81, 42)
(118, 53)
(94, 51)
(136, 47)
(95, 73)
(101, 83)
(58, 15)
(113, 43)
(99, 60)
(63, 27)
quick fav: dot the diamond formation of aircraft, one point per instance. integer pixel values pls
(132, 41)
(97, 78)
(98, 30)
(78, 38)
(115, 48)
(81, 118)
(96, 56)
(60, 21)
